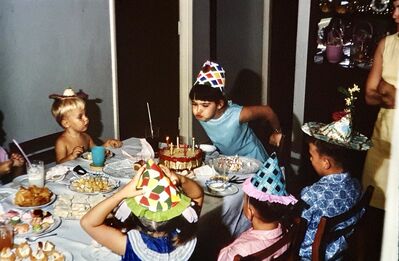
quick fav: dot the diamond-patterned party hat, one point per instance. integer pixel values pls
(161, 199)
(211, 74)
(268, 184)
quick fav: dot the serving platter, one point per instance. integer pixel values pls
(235, 165)
(67, 255)
(52, 199)
(90, 184)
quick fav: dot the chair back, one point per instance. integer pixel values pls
(327, 232)
(293, 237)
(41, 148)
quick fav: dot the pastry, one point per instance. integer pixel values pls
(23, 250)
(55, 256)
(21, 228)
(38, 255)
(48, 247)
(7, 255)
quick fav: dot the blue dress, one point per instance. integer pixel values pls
(232, 137)
(140, 246)
(330, 196)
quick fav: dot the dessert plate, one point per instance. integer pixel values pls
(235, 165)
(67, 255)
(230, 190)
(52, 227)
(120, 169)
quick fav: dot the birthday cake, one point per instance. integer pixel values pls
(181, 158)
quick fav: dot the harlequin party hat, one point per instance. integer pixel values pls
(268, 184)
(211, 74)
(161, 199)
(340, 132)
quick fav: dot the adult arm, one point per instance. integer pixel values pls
(265, 113)
(378, 91)
(93, 221)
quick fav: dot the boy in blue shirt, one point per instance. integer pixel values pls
(336, 192)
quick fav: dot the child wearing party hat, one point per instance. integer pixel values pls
(269, 208)
(69, 110)
(164, 207)
(330, 147)
(226, 123)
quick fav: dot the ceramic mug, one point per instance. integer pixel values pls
(98, 155)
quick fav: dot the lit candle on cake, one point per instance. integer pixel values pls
(185, 149)
(171, 148)
(167, 140)
(177, 142)
(193, 144)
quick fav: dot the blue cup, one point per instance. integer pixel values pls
(98, 155)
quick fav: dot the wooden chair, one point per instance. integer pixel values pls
(293, 237)
(327, 233)
(41, 148)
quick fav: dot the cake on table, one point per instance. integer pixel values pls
(180, 158)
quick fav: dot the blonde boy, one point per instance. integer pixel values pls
(69, 110)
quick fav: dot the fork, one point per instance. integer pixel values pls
(34, 238)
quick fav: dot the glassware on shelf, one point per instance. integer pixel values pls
(361, 41)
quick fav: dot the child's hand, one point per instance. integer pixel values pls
(113, 143)
(18, 160)
(76, 152)
(275, 139)
(130, 189)
(6, 166)
(171, 175)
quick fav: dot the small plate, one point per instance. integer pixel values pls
(52, 199)
(6, 192)
(230, 190)
(55, 225)
(120, 169)
(87, 155)
(87, 184)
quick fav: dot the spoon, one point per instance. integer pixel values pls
(34, 238)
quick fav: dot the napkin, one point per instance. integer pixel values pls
(57, 173)
(146, 150)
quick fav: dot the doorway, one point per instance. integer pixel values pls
(147, 44)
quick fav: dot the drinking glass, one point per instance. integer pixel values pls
(152, 137)
(6, 235)
(98, 155)
(36, 173)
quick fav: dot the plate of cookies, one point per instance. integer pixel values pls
(31, 222)
(93, 184)
(35, 251)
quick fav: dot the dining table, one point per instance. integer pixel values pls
(221, 218)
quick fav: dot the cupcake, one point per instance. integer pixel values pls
(38, 255)
(21, 228)
(23, 250)
(7, 255)
(48, 247)
(55, 256)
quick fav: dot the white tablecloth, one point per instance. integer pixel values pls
(221, 218)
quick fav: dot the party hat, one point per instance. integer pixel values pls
(211, 74)
(340, 132)
(161, 199)
(268, 184)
